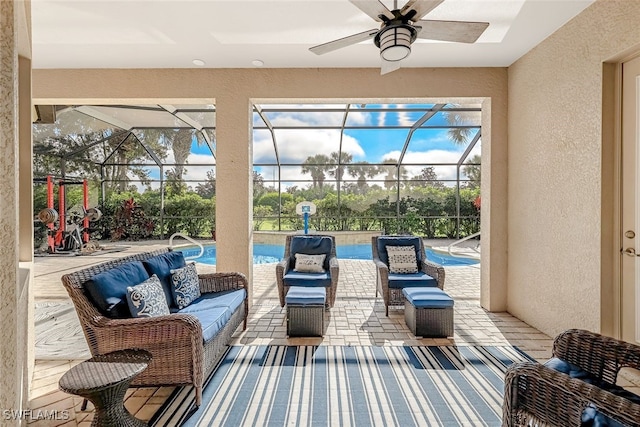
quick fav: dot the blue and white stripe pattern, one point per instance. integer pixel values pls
(350, 386)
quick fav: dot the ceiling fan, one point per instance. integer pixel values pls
(401, 27)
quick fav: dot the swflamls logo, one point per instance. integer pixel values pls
(34, 414)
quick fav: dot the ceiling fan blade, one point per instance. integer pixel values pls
(388, 66)
(451, 31)
(343, 42)
(422, 7)
(373, 8)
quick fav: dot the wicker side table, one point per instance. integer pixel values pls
(104, 380)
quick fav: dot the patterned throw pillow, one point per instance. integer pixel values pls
(185, 285)
(147, 299)
(402, 259)
(309, 263)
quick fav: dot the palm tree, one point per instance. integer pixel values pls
(394, 173)
(362, 171)
(460, 136)
(340, 159)
(180, 141)
(316, 166)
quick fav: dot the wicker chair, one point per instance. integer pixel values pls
(285, 265)
(535, 394)
(393, 296)
(175, 341)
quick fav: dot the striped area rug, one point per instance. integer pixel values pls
(349, 386)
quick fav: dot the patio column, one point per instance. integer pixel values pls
(234, 172)
(12, 307)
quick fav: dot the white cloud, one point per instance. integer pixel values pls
(295, 146)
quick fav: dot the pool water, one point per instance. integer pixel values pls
(264, 254)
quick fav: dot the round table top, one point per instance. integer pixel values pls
(105, 370)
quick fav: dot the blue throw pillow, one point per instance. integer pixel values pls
(108, 290)
(147, 299)
(161, 266)
(185, 285)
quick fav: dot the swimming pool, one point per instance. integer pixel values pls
(264, 254)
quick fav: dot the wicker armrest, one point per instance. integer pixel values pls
(334, 268)
(169, 325)
(434, 270)
(283, 266)
(380, 265)
(535, 394)
(219, 282)
(599, 355)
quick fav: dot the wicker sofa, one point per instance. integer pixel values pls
(181, 355)
(390, 286)
(541, 395)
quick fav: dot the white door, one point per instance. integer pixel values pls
(630, 185)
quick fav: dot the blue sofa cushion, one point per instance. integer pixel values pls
(427, 297)
(384, 241)
(214, 310)
(293, 278)
(108, 290)
(147, 299)
(161, 266)
(228, 299)
(212, 320)
(299, 295)
(310, 245)
(412, 280)
(590, 416)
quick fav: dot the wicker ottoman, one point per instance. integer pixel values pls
(305, 311)
(428, 312)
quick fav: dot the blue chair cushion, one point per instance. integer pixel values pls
(298, 295)
(161, 266)
(427, 297)
(108, 290)
(590, 415)
(384, 241)
(310, 245)
(293, 278)
(411, 280)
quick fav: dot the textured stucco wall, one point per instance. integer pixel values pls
(233, 90)
(555, 169)
(12, 357)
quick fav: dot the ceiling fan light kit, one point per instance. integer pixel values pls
(395, 42)
(399, 28)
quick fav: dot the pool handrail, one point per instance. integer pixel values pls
(184, 236)
(464, 239)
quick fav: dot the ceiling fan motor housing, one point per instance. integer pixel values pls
(395, 41)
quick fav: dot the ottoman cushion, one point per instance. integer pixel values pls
(303, 295)
(427, 297)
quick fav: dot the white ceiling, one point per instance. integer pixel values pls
(232, 34)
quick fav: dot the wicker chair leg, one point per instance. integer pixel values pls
(198, 396)
(84, 405)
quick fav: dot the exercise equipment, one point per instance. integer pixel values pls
(72, 232)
